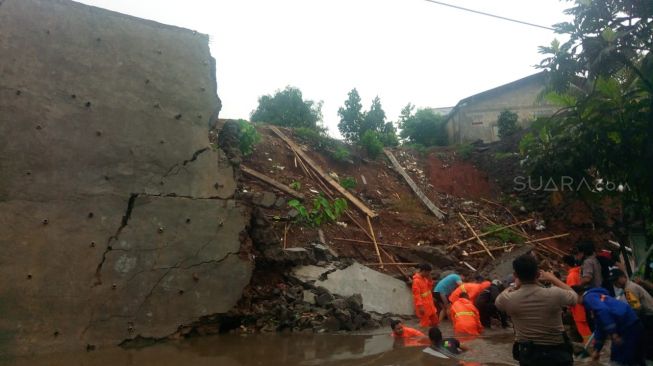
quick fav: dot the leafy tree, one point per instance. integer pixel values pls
(372, 143)
(288, 108)
(351, 117)
(603, 80)
(374, 119)
(507, 123)
(388, 135)
(425, 127)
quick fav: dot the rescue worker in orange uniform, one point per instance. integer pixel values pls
(465, 317)
(473, 289)
(423, 297)
(577, 310)
(401, 331)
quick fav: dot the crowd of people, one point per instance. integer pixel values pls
(596, 293)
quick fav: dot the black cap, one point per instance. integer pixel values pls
(615, 273)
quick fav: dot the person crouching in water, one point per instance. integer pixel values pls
(465, 317)
(617, 321)
(423, 297)
(401, 331)
(486, 307)
(444, 348)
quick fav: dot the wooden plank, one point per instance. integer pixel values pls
(547, 238)
(436, 211)
(376, 246)
(477, 238)
(360, 205)
(272, 182)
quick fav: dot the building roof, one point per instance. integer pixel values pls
(535, 78)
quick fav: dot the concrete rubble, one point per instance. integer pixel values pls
(380, 293)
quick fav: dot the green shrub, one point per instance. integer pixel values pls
(348, 183)
(341, 154)
(248, 137)
(371, 143)
(322, 212)
(507, 123)
(465, 150)
(505, 235)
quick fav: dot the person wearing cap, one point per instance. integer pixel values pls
(639, 299)
(614, 320)
(635, 295)
(486, 307)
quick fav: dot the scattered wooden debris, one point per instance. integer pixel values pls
(272, 182)
(488, 233)
(477, 237)
(360, 205)
(436, 211)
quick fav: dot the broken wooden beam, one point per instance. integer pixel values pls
(547, 238)
(360, 205)
(477, 237)
(280, 186)
(425, 200)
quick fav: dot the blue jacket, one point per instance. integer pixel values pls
(610, 315)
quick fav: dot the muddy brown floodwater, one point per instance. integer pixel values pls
(373, 349)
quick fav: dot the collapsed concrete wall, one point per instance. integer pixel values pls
(116, 215)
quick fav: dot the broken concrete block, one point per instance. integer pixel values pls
(379, 292)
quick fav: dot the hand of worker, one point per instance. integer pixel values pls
(616, 339)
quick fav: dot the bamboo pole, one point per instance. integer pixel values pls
(505, 208)
(370, 242)
(477, 237)
(548, 238)
(376, 246)
(285, 235)
(488, 233)
(495, 248)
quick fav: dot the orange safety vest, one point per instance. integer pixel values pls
(472, 289)
(465, 318)
(422, 295)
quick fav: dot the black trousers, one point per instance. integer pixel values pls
(529, 354)
(487, 311)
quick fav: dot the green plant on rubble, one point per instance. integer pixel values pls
(505, 235)
(340, 154)
(247, 136)
(322, 212)
(348, 183)
(295, 185)
(465, 151)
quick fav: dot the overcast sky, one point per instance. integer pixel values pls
(401, 50)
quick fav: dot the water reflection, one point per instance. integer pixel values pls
(376, 348)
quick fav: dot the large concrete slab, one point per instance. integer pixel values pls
(381, 293)
(116, 213)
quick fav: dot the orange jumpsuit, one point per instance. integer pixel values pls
(578, 310)
(423, 299)
(465, 317)
(473, 290)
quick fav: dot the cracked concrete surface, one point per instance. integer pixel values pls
(117, 218)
